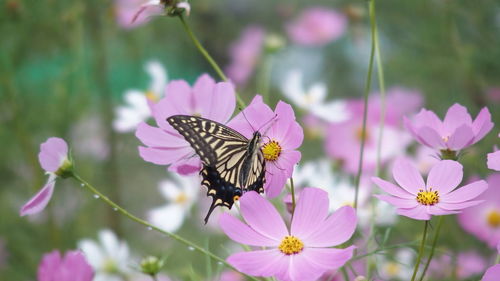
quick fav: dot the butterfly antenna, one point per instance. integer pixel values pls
(274, 119)
(212, 208)
(253, 129)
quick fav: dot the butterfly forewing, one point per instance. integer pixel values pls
(232, 164)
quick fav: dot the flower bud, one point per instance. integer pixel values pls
(151, 265)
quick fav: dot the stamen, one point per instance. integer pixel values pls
(181, 198)
(271, 150)
(428, 197)
(291, 245)
(494, 219)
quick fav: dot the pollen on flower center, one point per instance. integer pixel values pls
(151, 96)
(181, 198)
(359, 134)
(393, 268)
(494, 219)
(271, 150)
(428, 198)
(291, 245)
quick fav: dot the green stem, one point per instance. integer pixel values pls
(292, 191)
(150, 226)
(264, 79)
(207, 56)
(365, 110)
(434, 242)
(497, 260)
(344, 273)
(381, 84)
(420, 251)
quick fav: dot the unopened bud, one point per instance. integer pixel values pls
(151, 265)
(274, 43)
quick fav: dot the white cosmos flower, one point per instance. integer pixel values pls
(180, 194)
(137, 103)
(313, 99)
(398, 268)
(109, 257)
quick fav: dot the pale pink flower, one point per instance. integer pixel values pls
(281, 136)
(492, 273)
(343, 140)
(317, 26)
(467, 265)
(244, 54)
(72, 267)
(483, 221)
(301, 253)
(163, 144)
(455, 132)
(133, 13)
(53, 158)
(419, 200)
(494, 160)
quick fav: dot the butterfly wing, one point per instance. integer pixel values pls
(232, 164)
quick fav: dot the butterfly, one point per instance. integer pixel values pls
(232, 164)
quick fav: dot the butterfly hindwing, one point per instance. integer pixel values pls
(232, 164)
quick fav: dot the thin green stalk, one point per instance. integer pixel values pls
(150, 226)
(264, 79)
(371, 6)
(497, 260)
(292, 191)
(207, 56)
(420, 251)
(434, 243)
(381, 85)
(344, 273)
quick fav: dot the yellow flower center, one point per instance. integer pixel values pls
(151, 96)
(494, 219)
(110, 266)
(271, 150)
(291, 245)
(392, 269)
(428, 198)
(181, 198)
(446, 138)
(359, 134)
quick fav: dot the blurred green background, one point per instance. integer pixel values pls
(63, 63)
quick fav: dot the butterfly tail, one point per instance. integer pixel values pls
(212, 208)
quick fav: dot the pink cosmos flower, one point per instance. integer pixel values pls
(281, 135)
(419, 200)
(492, 273)
(163, 144)
(483, 221)
(343, 140)
(71, 267)
(245, 53)
(494, 160)
(53, 158)
(467, 265)
(133, 13)
(301, 253)
(317, 26)
(455, 132)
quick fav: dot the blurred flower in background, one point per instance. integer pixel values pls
(398, 266)
(317, 26)
(494, 160)
(139, 104)
(312, 100)
(109, 257)
(181, 193)
(88, 138)
(467, 265)
(483, 220)
(71, 267)
(126, 12)
(244, 54)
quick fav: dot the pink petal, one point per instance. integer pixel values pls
(492, 273)
(223, 102)
(436, 210)
(398, 202)
(164, 156)
(286, 130)
(392, 188)
(429, 119)
(176, 101)
(410, 127)
(203, 90)
(430, 137)
(259, 263)
(456, 116)
(311, 263)
(287, 160)
(460, 138)
(49, 266)
(407, 176)
(465, 193)
(418, 213)
(482, 125)
(186, 166)
(252, 118)
(459, 206)
(494, 161)
(275, 180)
(262, 216)
(38, 202)
(445, 176)
(337, 229)
(52, 154)
(242, 233)
(310, 212)
(75, 268)
(156, 137)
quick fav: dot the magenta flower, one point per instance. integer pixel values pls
(483, 221)
(163, 144)
(492, 273)
(419, 200)
(301, 253)
(245, 53)
(343, 139)
(456, 132)
(53, 158)
(71, 267)
(317, 26)
(281, 135)
(494, 160)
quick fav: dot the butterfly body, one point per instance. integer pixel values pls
(232, 164)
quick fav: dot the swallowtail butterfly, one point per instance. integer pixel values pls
(232, 164)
